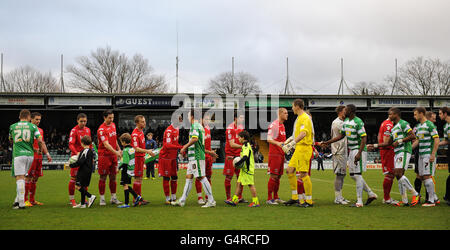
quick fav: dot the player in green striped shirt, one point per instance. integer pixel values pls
(444, 115)
(196, 165)
(400, 138)
(22, 134)
(428, 143)
(353, 130)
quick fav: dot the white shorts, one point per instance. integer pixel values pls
(340, 164)
(360, 166)
(21, 165)
(401, 160)
(425, 167)
(196, 168)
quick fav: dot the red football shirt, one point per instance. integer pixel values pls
(231, 133)
(36, 145)
(277, 132)
(107, 133)
(75, 139)
(170, 146)
(385, 130)
(138, 141)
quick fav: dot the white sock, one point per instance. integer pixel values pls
(113, 196)
(407, 185)
(207, 188)
(167, 198)
(187, 189)
(71, 197)
(21, 192)
(173, 197)
(102, 197)
(359, 187)
(429, 185)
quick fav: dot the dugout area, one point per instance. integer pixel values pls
(60, 110)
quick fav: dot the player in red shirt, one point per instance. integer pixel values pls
(232, 150)
(276, 136)
(210, 157)
(387, 159)
(35, 170)
(108, 153)
(75, 147)
(138, 143)
(167, 161)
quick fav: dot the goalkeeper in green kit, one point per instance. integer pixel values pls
(245, 162)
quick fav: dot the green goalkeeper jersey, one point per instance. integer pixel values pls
(197, 150)
(400, 131)
(426, 132)
(354, 130)
(23, 134)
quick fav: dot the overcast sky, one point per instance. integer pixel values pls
(368, 34)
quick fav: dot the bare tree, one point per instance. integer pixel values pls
(108, 71)
(421, 76)
(369, 88)
(28, 80)
(244, 83)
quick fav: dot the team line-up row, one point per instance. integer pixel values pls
(396, 141)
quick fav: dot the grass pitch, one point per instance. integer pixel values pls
(56, 214)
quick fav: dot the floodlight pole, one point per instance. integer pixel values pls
(3, 87)
(395, 79)
(341, 84)
(62, 72)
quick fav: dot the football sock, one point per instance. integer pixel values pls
(270, 188)
(228, 187)
(166, 187)
(187, 189)
(27, 189)
(137, 187)
(300, 186)
(308, 188)
(71, 187)
(101, 186)
(293, 185)
(418, 185)
(276, 188)
(207, 188)
(112, 186)
(338, 184)
(255, 200)
(402, 190)
(127, 196)
(21, 192)
(359, 187)
(429, 185)
(32, 190)
(407, 185)
(173, 187)
(387, 186)
(135, 195)
(198, 188)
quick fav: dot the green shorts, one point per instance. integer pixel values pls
(246, 179)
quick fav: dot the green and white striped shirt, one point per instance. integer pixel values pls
(400, 131)
(447, 131)
(354, 131)
(426, 132)
(197, 150)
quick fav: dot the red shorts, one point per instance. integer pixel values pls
(107, 164)
(387, 161)
(229, 169)
(208, 166)
(139, 166)
(36, 168)
(276, 164)
(167, 167)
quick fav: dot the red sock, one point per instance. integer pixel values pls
(173, 186)
(198, 187)
(101, 186)
(270, 188)
(275, 188)
(71, 187)
(137, 187)
(112, 186)
(300, 187)
(166, 187)
(228, 187)
(32, 191)
(387, 185)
